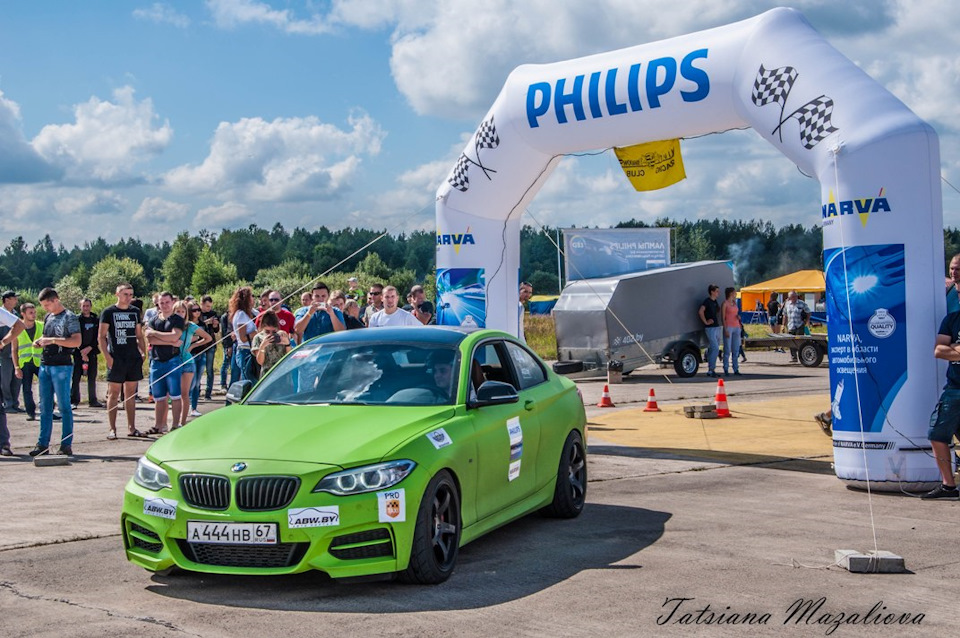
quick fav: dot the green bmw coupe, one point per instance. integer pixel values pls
(364, 452)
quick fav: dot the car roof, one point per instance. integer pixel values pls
(444, 335)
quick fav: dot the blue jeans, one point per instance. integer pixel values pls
(714, 333)
(165, 378)
(200, 363)
(241, 360)
(225, 366)
(55, 380)
(731, 348)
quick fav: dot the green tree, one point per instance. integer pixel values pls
(373, 269)
(177, 270)
(70, 293)
(288, 278)
(545, 283)
(111, 271)
(249, 249)
(210, 272)
(81, 274)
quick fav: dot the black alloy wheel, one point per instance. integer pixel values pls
(570, 493)
(436, 539)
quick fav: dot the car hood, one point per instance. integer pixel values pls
(330, 434)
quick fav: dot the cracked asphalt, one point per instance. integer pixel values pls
(718, 538)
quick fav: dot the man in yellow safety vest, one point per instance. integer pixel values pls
(26, 356)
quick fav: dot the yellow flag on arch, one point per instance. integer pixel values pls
(652, 166)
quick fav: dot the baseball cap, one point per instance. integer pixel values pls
(9, 293)
(351, 279)
(426, 306)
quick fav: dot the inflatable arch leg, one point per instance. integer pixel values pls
(876, 161)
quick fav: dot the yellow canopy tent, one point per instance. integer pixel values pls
(802, 281)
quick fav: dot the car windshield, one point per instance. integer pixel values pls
(362, 373)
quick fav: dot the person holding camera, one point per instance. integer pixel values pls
(319, 317)
(271, 343)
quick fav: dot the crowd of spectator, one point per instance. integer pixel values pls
(177, 338)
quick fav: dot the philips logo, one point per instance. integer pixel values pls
(659, 79)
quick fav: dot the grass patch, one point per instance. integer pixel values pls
(541, 335)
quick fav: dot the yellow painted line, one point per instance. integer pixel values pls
(782, 428)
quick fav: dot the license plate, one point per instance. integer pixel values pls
(232, 533)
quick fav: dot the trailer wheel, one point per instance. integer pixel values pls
(687, 364)
(810, 354)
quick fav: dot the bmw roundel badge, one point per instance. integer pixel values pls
(239, 467)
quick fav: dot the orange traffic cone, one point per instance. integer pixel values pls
(605, 401)
(721, 401)
(652, 403)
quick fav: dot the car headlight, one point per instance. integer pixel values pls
(368, 478)
(150, 475)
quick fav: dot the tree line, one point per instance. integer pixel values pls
(206, 262)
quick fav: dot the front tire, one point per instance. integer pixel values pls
(436, 538)
(570, 493)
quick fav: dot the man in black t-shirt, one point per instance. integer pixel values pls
(947, 423)
(710, 317)
(164, 334)
(61, 335)
(210, 322)
(85, 357)
(121, 340)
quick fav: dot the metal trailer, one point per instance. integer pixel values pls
(636, 319)
(811, 349)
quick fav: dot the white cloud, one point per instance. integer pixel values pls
(227, 214)
(106, 140)
(229, 14)
(19, 162)
(156, 210)
(162, 13)
(287, 159)
(89, 202)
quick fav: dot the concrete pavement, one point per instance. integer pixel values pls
(742, 515)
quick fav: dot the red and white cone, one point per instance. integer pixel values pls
(605, 401)
(652, 403)
(721, 401)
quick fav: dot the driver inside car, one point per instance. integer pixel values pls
(441, 366)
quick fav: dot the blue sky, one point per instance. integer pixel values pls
(142, 119)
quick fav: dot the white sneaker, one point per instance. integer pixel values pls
(195, 413)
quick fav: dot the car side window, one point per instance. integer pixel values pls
(528, 369)
(489, 365)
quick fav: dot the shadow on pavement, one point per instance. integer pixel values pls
(523, 558)
(820, 465)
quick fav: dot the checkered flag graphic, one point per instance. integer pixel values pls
(814, 119)
(459, 178)
(487, 135)
(773, 85)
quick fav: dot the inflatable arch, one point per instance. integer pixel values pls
(876, 161)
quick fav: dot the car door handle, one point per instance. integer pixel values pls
(528, 404)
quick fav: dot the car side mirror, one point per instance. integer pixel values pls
(494, 393)
(238, 391)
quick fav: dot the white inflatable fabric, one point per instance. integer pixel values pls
(876, 161)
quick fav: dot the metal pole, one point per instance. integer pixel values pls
(559, 272)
